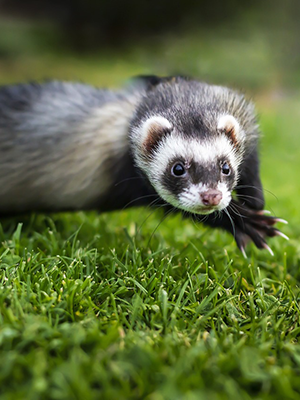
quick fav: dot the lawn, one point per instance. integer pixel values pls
(129, 305)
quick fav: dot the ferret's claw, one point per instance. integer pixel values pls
(243, 252)
(278, 233)
(265, 246)
(256, 226)
(283, 221)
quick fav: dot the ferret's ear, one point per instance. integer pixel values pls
(229, 126)
(153, 131)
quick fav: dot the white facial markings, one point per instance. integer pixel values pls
(152, 123)
(174, 147)
(169, 197)
(190, 198)
(195, 190)
(226, 194)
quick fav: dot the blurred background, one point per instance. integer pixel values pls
(246, 44)
(253, 46)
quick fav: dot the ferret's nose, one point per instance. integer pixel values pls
(211, 197)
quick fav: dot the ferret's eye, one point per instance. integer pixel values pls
(225, 169)
(178, 169)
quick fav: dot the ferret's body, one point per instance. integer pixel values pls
(60, 145)
(67, 146)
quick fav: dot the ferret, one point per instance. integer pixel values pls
(173, 142)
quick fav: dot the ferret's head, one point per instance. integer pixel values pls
(194, 174)
(189, 142)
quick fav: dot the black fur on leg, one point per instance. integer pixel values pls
(249, 189)
(244, 224)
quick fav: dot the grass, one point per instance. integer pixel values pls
(98, 312)
(122, 306)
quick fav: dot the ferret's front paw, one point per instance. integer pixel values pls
(256, 226)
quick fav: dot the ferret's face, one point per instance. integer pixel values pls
(193, 174)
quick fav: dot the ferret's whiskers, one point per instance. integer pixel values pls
(216, 215)
(157, 226)
(139, 198)
(151, 213)
(256, 188)
(246, 196)
(128, 179)
(219, 214)
(231, 221)
(195, 217)
(199, 218)
(236, 211)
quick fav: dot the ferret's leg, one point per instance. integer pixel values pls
(249, 190)
(244, 224)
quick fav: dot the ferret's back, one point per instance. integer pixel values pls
(54, 144)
